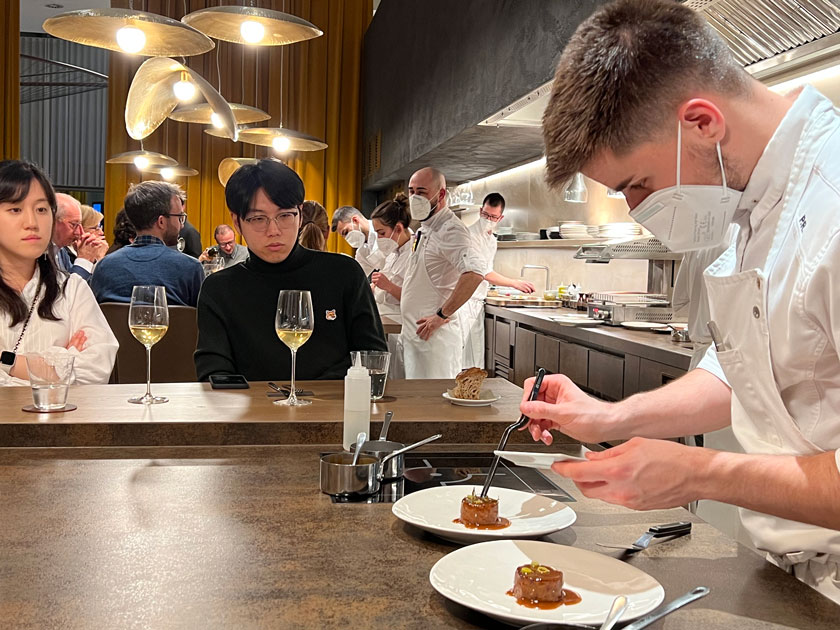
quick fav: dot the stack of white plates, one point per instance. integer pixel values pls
(592, 230)
(573, 229)
(527, 236)
(619, 230)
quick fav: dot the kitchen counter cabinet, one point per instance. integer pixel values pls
(241, 537)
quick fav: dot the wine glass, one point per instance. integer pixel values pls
(294, 323)
(148, 320)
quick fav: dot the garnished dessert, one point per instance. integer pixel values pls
(481, 513)
(539, 586)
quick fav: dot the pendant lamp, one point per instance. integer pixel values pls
(230, 165)
(171, 172)
(203, 114)
(280, 139)
(251, 25)
(129, 31)
(576, 191)
(142, 159)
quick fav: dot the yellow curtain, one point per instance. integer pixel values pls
(10, 78)
(311, 86)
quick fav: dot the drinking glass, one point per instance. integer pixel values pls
(294, 324)
(148, 320)
(213, 265)
(49, 377)
(376, 361)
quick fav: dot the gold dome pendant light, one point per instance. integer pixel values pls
(142, 159)
(230, 165)
(130, 31)
(171, 172)
(279, 138)
(251, 25)
(153, 95)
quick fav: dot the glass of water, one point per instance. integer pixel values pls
(49, 376)
(376, 361)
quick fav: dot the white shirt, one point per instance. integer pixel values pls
(77, 310)
(395, 267)
(802, 283)
(363, 253)
(486, 244)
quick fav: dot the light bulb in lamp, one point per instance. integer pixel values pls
(281, 144)
(184, 89)
(130, 39)
(167, 173)
(252, 32)
(141, 162)
(216, 120)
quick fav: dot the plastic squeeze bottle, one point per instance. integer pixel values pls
(356, 402)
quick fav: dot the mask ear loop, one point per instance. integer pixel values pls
(679, 155)
(722, 173)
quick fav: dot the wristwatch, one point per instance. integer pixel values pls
(440, 313)
(7, 360)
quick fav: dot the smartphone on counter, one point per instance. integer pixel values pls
(228, 381)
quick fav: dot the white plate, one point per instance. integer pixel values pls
(542, 460)
(530, 515)
(642, 325)
(486, 398)
(478, 577)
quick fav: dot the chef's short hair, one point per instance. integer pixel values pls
(281, 184)
(622, 76)
(494, 200)
(343, 215)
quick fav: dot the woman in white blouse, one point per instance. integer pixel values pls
(41, 308)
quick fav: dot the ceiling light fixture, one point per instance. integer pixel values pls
(126, 30)
(171, 172)
(203, 114)
(183, 89)
(576, 191)
(142, 159)
(266, 137)
(251, 25)
(281, 144)
(230, 165)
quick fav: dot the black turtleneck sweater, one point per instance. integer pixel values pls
(236, 309)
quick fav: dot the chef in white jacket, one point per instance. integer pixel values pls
(444, 270)
(695, 143)
(390, 221)
(352, 225)
(492, 211)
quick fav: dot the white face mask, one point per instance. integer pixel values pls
(421, 208)
(387, 245)
(689, 218)
(487, 226)
(355, 238)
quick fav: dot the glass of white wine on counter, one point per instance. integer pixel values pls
(294, 324)
(148, 320)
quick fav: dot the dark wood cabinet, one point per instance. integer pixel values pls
(653, 374)
(501, 340)
(547, 353)
(489, 338)
(573, 361)
(606, 375)
(523, 355)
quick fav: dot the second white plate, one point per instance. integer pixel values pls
(541, 459)
(486, 398)
(530, 515)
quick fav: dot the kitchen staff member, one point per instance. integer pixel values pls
(648, 100)
(444, 270)
(352, 225)
(472, 313)
(390, 221)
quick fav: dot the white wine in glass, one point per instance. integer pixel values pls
(294, 324)
(148, 320)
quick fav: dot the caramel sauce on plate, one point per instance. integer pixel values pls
(570, 598)
(501, 523)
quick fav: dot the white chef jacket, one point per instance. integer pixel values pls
(77, 310)
(395, 268)
(472, 313)
(789, 220)
(364, 252)
(486, 245)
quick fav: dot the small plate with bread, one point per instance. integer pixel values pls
(467, 391)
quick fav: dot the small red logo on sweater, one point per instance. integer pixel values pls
(331, 315)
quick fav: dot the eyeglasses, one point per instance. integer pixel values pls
(490, 217)
(74, 225)
(285, 221)
(182, 216)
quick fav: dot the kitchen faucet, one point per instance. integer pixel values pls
(547, 272)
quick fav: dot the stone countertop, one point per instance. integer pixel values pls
(241, 537)
(642, 343)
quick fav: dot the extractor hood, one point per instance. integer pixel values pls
(769, 37)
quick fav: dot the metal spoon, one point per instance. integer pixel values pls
(385, 424)
(644, 622)
(618, 607)
(360, 442)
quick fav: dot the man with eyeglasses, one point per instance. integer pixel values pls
(230, 252)
(472, 313)
(69, 231)
(155, 210)
(238, 305)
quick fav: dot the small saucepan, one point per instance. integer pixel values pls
(392, 467)
(340, 476)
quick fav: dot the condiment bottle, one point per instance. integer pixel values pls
(356, 402)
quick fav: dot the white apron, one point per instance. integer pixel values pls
(471, 315)
(760, 420)
(440, 356)
(396, 368)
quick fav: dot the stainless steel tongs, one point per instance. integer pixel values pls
(523, 420)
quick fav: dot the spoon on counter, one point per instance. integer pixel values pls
(617, 609)
(360, 442)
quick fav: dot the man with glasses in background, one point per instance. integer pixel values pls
(69, 231)
(155, 210)
(472, 313)
(238, 305)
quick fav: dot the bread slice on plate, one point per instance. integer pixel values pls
(468, 384)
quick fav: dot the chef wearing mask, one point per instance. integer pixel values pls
(696, 144)
(352, 225)
(472, 313)
(390, 220)
(444, 270)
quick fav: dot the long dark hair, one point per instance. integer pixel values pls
(15, 178)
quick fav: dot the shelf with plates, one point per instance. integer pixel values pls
(551, 243)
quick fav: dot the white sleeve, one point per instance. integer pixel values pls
(362, 259)
(84, 263)
(711, 364)
(95, 363)
(460, 250)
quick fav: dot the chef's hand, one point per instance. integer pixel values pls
(562, 406)
(641, 474)
(428, 325)
(78, 341)
(524, 286)
(380, 280)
